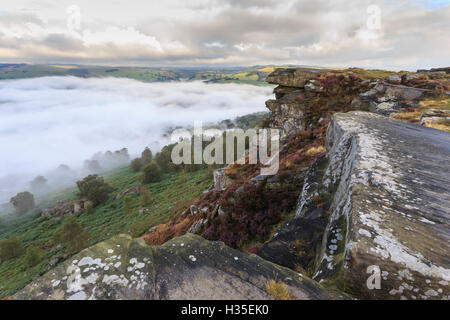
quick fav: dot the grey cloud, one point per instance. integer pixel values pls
(271, 32)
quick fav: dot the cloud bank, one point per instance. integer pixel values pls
(49, 121)
(410, 34)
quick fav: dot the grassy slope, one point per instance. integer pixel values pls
(171, 196)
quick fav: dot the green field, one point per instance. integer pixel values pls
(254, 75)
(171, 196)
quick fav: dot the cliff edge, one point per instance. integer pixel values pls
(378, 203)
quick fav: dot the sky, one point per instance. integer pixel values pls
(391, 34)
(48, 121)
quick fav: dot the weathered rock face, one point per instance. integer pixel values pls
(221, 180)
(188, 267)
(287, 110)
(293, 77)
(386, 98)
(197, 226)
(379, 203)
(433, 117)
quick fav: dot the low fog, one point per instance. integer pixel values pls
(46, 122)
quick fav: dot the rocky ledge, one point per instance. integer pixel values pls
(188, 267)
(376, 209)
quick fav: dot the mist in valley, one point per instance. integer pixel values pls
(50, 126)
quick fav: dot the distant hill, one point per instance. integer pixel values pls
(253, 75)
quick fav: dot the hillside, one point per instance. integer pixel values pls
(253, 75)
(171, 196)
(362, 188)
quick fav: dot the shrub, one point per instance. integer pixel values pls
(145, 199)
(10, 248)
(136, 165)
(254, 212)
(88, 207)
(94, 188)
(128, 205)
(278, 291)
(164, 158)
(151, 173)
(146, 156)
(23, 202)
(32, 256)
(38, 183)
(73, 234)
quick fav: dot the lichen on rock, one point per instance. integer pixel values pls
(388, 207)
(188, 267)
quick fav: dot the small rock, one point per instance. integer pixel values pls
(222, 211)
(394, 79)
(143, 211)
(197, 226)
(194, 209)
(412, 76)
(312, 86)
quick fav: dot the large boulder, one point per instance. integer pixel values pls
(293, 77)
(394, 79)
(376, 211)
(400, 92)
(288, 113)
(188, 267)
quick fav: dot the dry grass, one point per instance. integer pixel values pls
(371, 74)
(413, 116)
(315, 150)
(438, 126)
(278, 291)
(439, 103)
(267, 69)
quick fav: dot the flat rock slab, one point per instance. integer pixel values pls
(294, 77)
(391, 208)
(188, 267)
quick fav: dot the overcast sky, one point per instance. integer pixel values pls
(395, 34)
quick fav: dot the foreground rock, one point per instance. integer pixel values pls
(293, 77)
(188, 267)
(435, 118)
(378, 206)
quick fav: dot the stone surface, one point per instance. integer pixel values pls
(293, 77)
(188, 267)
(313, 86)
(412, 76)
(287, 113)
(193, 209)
(281, 91)
(394, 79)
(221, 180)
(445, 69)
(400, 92)
(143, 211)
(133, 190)
(197, 226)
(385, 108)
(431, 117)
(379, 202)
